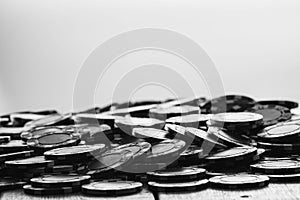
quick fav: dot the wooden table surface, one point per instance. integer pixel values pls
(273, 191)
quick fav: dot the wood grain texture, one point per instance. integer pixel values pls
(19, 195)
(272, 192)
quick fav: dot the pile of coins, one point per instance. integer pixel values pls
(178, 145)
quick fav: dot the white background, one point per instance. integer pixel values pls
(255, 45)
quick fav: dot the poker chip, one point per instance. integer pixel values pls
(13, 146)
(227, 139)
(174, 129)
(276, 167)
(107, 162)
(16, 155)
(278, 158)
(272, 114)
(194, 120)
(285, 103)
(56, 169)
(135, 149)
(151, 133)
(232, 120)
(233, 154)
(37, 161)
(75, 152)
(117, 157)
(177, 175)
(4, 139)
(239, 181)
(203, 138)
(113, 187)
(28, 189)
(10, 184)
(280, 132)
(179, 132)
(279, 148)
(228, 103)
(165, 144)
(224, 171)
(61, 180)
(284, 178)
(213, 173)
(39, 131)
(127, 124)
(178, 187)
(166, 150)
(54, 140)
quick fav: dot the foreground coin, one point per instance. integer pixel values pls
(239, 181)
(112, 187)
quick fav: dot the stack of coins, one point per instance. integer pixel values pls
(56, 184)
(177, 179)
